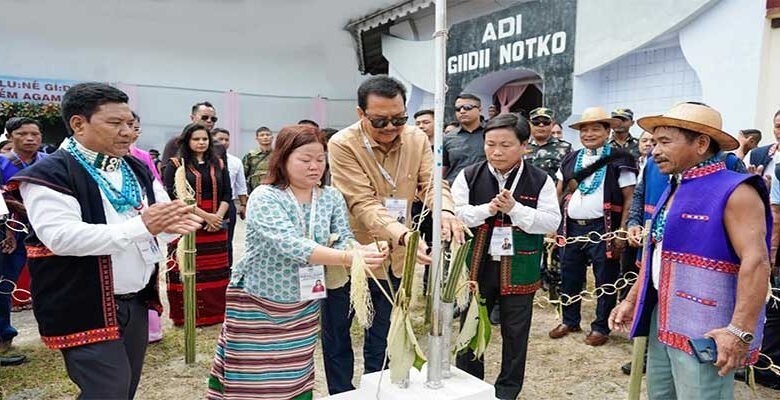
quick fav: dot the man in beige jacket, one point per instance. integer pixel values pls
(380, 165)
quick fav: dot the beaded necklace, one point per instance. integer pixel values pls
(123, 200)
(598, 177)
(659, 225)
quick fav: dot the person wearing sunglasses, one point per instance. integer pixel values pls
(202, 113)
(380, 165)
(621, 134)
(544, 150)
(464, 146)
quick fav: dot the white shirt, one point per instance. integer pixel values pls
(543, 219)
(237, 179)
(655, 266)
(591, 206)
(56, 219)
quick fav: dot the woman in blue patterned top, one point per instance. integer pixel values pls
(294, 227)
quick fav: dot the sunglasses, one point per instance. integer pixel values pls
(380, 123)
(466, 107)
(206, 118)
(541, 122)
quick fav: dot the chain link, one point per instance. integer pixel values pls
(771, 366)
(593, 237)
(15, 290)
(607, 289)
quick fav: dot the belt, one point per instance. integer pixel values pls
(584, 222)
(126, 296)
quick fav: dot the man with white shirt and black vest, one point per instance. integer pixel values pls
(95, 213)
(597, 183)
(237, 183)
(510, 205)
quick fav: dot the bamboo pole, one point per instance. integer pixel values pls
(640, 343)
(185, 257)
(440, 43)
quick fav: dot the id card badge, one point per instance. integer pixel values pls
(397, 208)
(501, 242)
(150, 251)
(311, 282)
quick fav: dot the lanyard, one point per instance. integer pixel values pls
(511, 189)
(382, 169)
(299, 210)
(514, 183)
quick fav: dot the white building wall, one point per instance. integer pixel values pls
(724, 46)
(649, 82)
(289, 52)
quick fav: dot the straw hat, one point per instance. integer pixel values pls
(595, 114)
(694, 117)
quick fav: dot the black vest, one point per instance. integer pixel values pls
(519, 273)
(73, 297)
(613, 194)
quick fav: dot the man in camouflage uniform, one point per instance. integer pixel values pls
(545, 151)
(256, 161)
(621, 135)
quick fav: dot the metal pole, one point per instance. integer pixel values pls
(434, 343)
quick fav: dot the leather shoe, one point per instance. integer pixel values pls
(596, 339)
(563, 330)
(7, 361)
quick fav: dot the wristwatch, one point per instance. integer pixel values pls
(744, 336)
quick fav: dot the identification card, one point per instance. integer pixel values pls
(311, 282)
(501, 242)
(150, 251)
(397, 208)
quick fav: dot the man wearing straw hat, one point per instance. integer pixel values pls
(691, 288)
(598, 181)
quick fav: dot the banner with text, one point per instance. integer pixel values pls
(33, 90)
(531, 36)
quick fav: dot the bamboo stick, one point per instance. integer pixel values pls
(640, 343)
(185, 255)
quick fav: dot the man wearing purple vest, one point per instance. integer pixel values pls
(707, 264)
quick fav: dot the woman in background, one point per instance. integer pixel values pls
(208, 176)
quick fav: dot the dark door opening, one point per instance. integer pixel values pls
(531, 98)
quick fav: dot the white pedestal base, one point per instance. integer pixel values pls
(461, 386)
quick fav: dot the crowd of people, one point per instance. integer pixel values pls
(100, 211)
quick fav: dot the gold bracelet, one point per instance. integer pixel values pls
(345, 258)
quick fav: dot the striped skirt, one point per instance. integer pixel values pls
(212, 275)
(265, 349)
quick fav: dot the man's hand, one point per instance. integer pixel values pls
(492, 207)
(635, 236)
(504, 201)
(174, 217)
(241, 211)
(423, 256)
(618, 245)
(622, 316)
(731, 350)
(451, 229)
(9, 243)
(755, 169)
